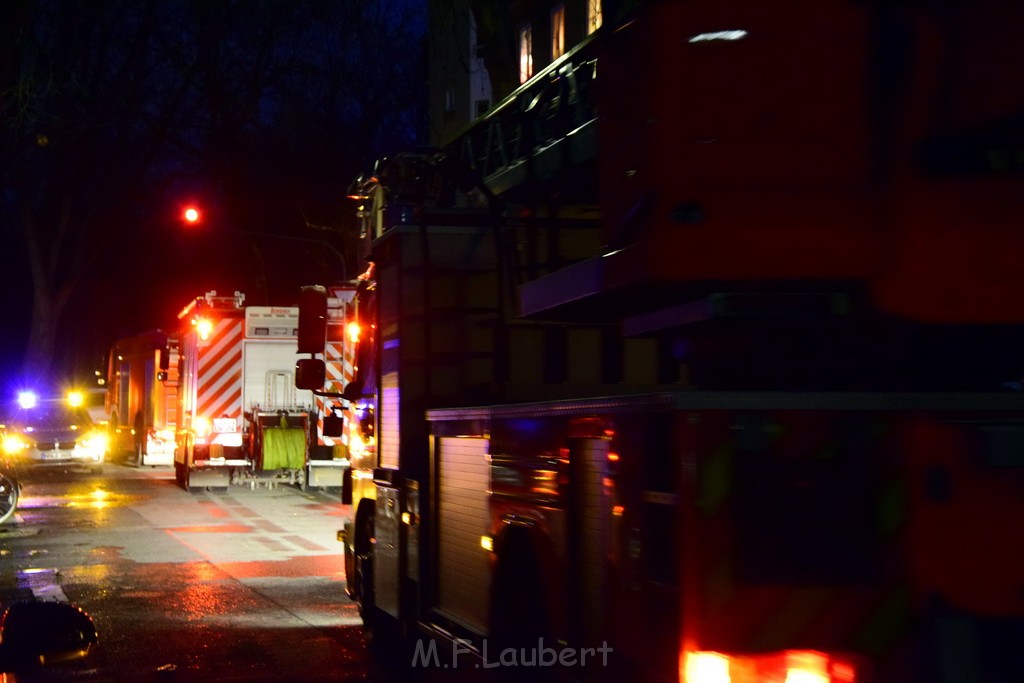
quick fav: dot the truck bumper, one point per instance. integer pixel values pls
(326, 473)
(159, 453)
(219, 477)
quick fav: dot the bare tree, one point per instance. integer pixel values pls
(109, 108)
(75, 88)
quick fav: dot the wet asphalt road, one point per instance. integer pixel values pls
(244, 585)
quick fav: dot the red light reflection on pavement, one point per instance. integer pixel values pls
(328, 510)
(214, 510)
(208, 590)
(294, 567)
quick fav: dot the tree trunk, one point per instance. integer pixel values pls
(42, 341)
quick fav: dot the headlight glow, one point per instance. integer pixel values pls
(13, 443)
(96, 441)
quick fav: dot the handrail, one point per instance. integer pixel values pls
(551, 106)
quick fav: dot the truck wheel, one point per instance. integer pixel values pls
(367, 603)
(351, 579)
(8, 498)
(363, 563)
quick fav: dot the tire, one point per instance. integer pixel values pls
(367, 601)
(351, 578)
(9, 495)
(363, 564)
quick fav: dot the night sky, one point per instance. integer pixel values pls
(261, 113)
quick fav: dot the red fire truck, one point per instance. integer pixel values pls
(763, 419)
(242, 420)
(142, 399)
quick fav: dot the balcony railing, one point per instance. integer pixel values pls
(539, 130)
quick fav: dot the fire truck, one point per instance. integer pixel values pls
(242, 420)
(721, 385)
(141, 399)
(337, 419)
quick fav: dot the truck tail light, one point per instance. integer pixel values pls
(787, 666)
(204, 327)
(352, 331)
(202, 427)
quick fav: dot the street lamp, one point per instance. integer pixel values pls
(191, 215)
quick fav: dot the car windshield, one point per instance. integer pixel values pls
(51, 416)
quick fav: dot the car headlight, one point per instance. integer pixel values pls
(95, 442)
(14, 444)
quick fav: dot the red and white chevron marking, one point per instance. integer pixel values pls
(339, 368)
(322, 406)
(335, 382)
(219, 387)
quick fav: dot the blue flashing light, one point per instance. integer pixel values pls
(27, 399)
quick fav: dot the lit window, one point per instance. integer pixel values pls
(593, 15)
(525, 53)
(557, 32)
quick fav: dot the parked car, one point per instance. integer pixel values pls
(54, 434)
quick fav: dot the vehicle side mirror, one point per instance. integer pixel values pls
(42, 633)
(312, 319)
(310, 374)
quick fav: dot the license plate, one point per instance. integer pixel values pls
(224, 424)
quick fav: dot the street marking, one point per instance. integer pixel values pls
(269, 526)
(43, 584)
(306, 544)
(273, 545)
